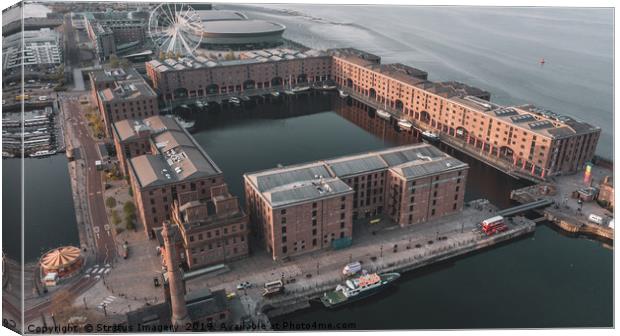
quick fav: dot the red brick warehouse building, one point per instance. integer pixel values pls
(174, 179)
(308, 207)
(536, 141)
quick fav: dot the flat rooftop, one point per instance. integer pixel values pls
(323, 179)
(127, 91)
(250, 57)
(115, 74)
(178, 156)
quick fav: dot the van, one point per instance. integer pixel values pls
(273, 287)
(352, 268)
(595, 219)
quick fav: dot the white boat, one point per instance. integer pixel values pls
(275, 94)
(383, 114)
(430, 136)
(184, 123)
(327, 87)
(405, 124)
(42, 153)
(343, 94)
(301, 88)
(234, 100)
(7, 155)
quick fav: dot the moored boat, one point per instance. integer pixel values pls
(42, 153)
(405, 124)
(343, 94)
(383, 114)
(301, 88)
(430, 136)
(358, 288)
(187, 124)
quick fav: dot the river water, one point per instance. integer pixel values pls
(496, 49)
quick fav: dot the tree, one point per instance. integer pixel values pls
(115, 218)
(110, 202)
(129, 208)
(129, 222)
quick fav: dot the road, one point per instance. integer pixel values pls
(105, 245)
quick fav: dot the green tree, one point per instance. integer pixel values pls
(115, 218)
(110, 202)
(129, 208)
(129, 222)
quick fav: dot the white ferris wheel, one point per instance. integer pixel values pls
(175, 28)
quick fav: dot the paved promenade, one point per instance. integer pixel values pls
(378, 247)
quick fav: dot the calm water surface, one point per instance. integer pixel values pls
(496, 49)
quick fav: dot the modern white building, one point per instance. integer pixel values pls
(38, 47)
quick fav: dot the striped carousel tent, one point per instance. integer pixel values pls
(64, 261)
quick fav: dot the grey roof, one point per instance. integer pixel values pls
(279, 178)
(308, 191)
(318, 180)
(249, 27)
(419, 169)
(356, 165)
(402, 155)
(178, 157)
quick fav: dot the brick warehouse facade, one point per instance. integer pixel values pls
(532, 139)
(198, 77)
(529, 139)
(308, 207)
(122, 94)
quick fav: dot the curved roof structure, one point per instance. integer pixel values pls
(240, 28)
(61, 257)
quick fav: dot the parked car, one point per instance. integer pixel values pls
(244, 285)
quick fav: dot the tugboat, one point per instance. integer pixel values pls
(358, 288)
(430, 137)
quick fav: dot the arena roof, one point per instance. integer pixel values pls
(241, 27)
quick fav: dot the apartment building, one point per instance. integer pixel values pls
(308, 207)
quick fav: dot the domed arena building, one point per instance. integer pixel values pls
(226, 29)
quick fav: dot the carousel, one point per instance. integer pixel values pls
(60, 263)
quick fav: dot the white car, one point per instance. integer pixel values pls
(42, 98)
(244, 285)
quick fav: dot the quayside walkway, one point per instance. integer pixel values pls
(379, 247)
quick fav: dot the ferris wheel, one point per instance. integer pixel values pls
(175, 28)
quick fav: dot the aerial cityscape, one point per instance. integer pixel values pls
(193, 167)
